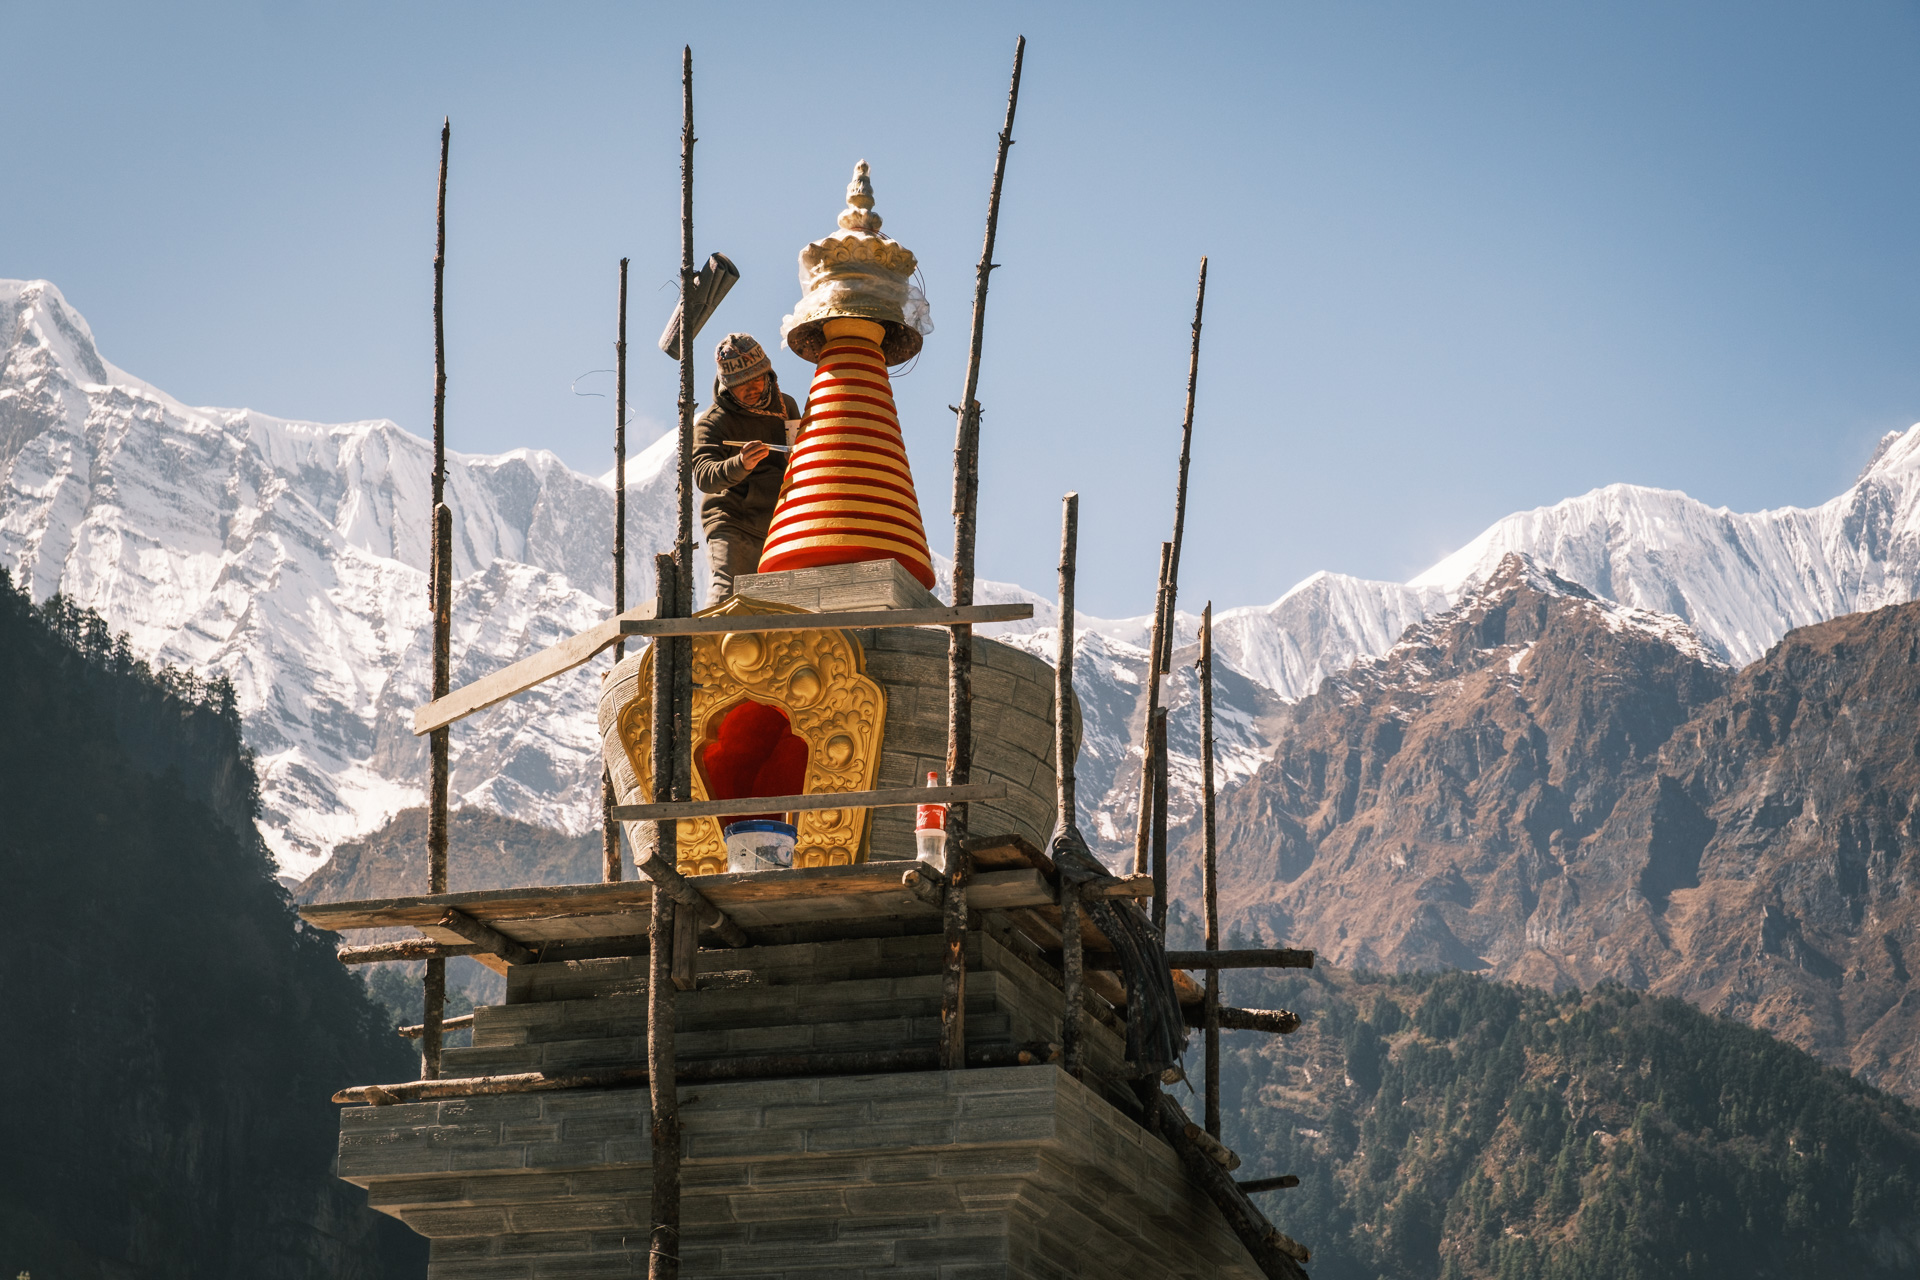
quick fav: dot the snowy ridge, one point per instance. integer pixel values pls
(1741, 580)
(290, 556)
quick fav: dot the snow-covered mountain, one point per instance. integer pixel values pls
(291, 556)
(1742, 580)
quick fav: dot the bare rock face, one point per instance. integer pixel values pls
(1554, 790)
(1432, 808)
(1778, 843)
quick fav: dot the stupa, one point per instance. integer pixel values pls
(848, 495)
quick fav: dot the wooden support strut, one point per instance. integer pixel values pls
(488, 939)
(1277, 1255)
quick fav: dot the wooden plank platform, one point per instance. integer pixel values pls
(1011, 877)
(866, 891)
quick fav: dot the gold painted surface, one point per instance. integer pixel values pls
(819, 679)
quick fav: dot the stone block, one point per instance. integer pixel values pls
(869, 584)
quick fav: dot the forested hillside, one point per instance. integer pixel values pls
(174, 1033)
(1447, 1126)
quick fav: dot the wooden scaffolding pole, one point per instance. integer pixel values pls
(1149, 762)
(611, 868)
(672, 761)
(966, 488)
(1073, 986)
(610, 863)
(663, 1257)
(1209, 885)
(440, 594)
(1180, 488)
(1157, 738)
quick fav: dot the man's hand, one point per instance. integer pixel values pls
(754, 453)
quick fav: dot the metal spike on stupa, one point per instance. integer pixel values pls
(848, 495)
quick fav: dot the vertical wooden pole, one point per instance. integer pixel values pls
(440, 593)
(1065, 812)
(1143, 826)
(1159, 734)
(1209, 884)
(663, 1252)
(682, 651)
(672, 761)
(683, 539)
(1180, 489)
(620, 462)
(610, 862)
(663, 1257)
(966, 489)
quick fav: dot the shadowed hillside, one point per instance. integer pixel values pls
(176, 1033)
(1446, 1126)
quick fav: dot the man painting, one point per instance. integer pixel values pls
(741, 481)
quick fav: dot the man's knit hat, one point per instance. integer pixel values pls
(741, 359)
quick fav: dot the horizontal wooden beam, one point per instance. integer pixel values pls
(419, 1029)
(1252, 1186)
(1281, 958)
(1178, 960)
(408, 949)
(891, 798)
(766, 1066)
(525, 674)
(1138, 885)
(728, 623)
(1278, 1022)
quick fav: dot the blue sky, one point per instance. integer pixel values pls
(1467, 258)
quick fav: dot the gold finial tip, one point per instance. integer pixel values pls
(859, 214)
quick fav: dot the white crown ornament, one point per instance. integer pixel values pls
(858, 272)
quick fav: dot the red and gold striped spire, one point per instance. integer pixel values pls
(848, 494)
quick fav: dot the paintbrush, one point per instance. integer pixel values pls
(775, 448)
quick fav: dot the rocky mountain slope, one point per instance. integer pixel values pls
(1557, 790)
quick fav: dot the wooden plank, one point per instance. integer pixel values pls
(406, 949)
(525, 674)
(530, 916)
(999, 853)
(893, 797)
(730, 623)
(631, 896)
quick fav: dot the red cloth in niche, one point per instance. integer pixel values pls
(754, 752)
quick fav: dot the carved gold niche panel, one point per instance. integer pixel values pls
(818, 680)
